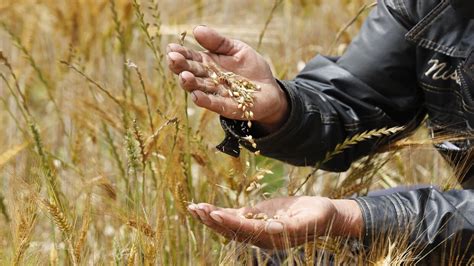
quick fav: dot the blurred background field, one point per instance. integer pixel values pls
(100, 152)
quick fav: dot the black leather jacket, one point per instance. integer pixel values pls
(412, 58)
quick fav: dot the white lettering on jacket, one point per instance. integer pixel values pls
(441, 71)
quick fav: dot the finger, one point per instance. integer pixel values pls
(216, 103)
(203, 210)
(204, 218)
(237, 223)
(192, 210)
(214, 42)
(189, 82)
(187, 53)
(208, 208)
(206, 212)
(178, 63)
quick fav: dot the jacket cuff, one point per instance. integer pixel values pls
(236, 130)
(384, 216)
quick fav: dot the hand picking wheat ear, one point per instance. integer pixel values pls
(239, 88)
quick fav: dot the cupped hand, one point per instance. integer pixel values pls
(291, 221)
(270, 108)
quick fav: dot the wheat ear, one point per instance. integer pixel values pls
(349, 142)
(145, 228)
(58, 216)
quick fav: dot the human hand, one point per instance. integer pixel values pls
(270, 108)
(292, 220)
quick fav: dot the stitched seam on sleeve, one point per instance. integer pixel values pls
(403, 209)
(403, 9)
(367, 217)
(397, 213)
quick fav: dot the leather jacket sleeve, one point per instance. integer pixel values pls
(430, 221)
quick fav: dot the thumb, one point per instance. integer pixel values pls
(214, 42)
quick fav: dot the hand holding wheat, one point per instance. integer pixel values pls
(283, 222)
(196, 69)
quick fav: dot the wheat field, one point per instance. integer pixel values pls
(101, 152)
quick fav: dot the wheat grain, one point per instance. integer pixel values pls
(240, 89)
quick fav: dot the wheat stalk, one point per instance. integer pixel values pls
(36, 68)
(9, 154)
(349, 142)
(92, 81)
(3, 209)
(151, 141)
(21, 104)
(267, 22)
(150, 40)
(123, 48)
(113, 150)
(350, 23)
(145, 94)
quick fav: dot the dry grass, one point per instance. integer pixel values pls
(96, 132)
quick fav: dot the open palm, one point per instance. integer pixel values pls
(293, 221)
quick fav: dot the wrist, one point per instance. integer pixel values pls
(276, 119)
(348, 219)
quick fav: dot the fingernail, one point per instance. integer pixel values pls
(274, 228)
(192, 207)
(202, 215)
(193, 96)
(202, 25)
(217, 217)
(173, 56)
(169, 59)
